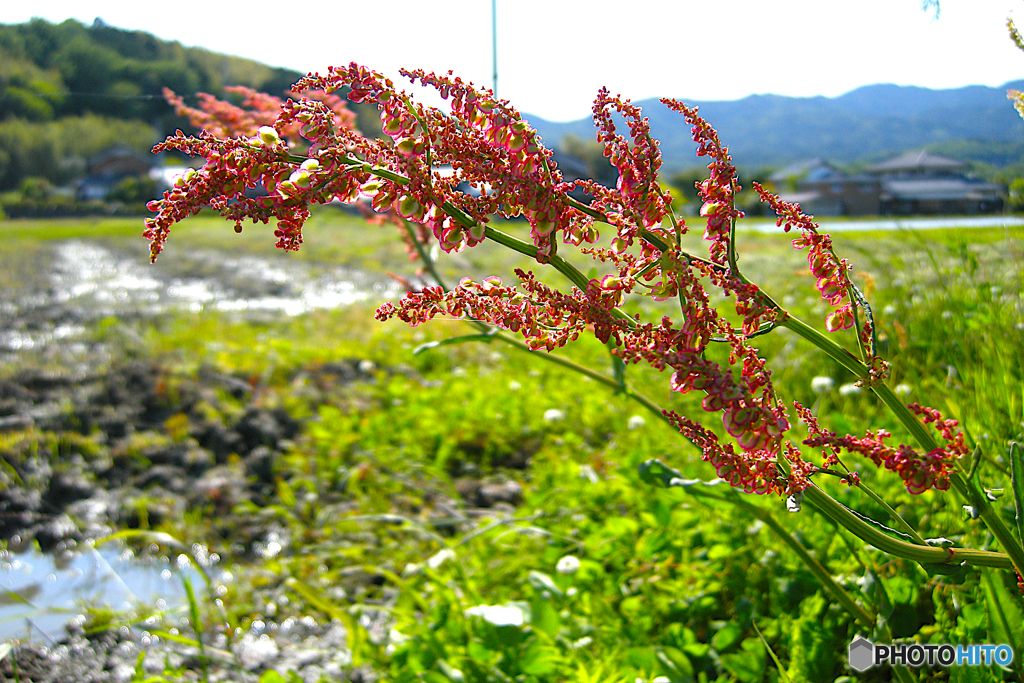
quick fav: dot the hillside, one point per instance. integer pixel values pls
(974, 123)
(69, 91)
(68, 69)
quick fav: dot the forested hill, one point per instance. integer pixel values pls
(55, 70)
(68, 91)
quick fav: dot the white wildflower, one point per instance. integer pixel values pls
(849, 390)
(553, 415)
(499, 615)
(568, 565)
(822, 385)
(439, 558)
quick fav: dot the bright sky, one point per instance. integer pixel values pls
(553, 55)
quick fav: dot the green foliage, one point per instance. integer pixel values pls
(1016, 195)
(68, 91)
(57, 150)
(73, 70)
(133, 190)
(591, 153)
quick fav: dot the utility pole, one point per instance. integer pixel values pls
(494, 46)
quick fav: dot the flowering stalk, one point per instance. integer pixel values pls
(310, 154)
(494, 333)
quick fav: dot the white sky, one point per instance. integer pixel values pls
(553, 55)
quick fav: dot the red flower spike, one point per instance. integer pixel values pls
(486, 144)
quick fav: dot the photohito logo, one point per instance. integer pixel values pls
(864, 654)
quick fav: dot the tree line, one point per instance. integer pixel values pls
(69, 91)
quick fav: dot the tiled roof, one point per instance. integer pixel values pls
(939, 188)
(917, 161)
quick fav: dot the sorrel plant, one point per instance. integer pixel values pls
(306, 151)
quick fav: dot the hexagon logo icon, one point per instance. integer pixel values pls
(862, 654)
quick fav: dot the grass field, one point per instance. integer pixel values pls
(374, 497)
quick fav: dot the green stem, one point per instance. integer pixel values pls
(832, 349)
(843, 516)
(968, 489)
(893, 515)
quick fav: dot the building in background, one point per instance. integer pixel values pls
(922, 183)
(109, 169)
(914, 183)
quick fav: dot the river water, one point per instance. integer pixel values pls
(90, 280)
(41, 592)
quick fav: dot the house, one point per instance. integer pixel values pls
(823, 190)
(108, 168)
(922, 183)
(912, 183)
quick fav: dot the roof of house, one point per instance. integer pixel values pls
(940, 188)
(802, 169)
(800, 197)
(917, 161)
(118, 161)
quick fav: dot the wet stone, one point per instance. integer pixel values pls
(219, 440)
(67, 487)
(19, 510)
(260, 427)
(92, 514)
(488, 494)
(53, 531)
(259, 465)
(168, 477)
(236, 386)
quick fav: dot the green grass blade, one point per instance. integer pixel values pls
(335, 612)
(1017, 483)
(783, 676)
(174, 637)
(197, 624)
(487, 337)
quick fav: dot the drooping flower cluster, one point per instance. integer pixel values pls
(720, 188)
(638, 202)
(754, 473)
(485, 142)
(547, 319)
(308, 153)
(226, 120)
(223, 119)
(919, 471)
(832, 273)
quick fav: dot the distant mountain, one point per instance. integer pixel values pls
(870, 122)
